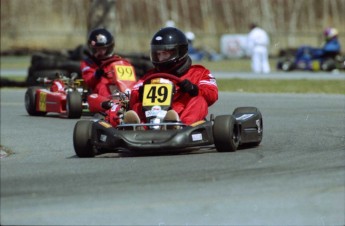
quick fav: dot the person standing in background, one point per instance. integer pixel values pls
(170, 23)
(258, 42)
(194, 54)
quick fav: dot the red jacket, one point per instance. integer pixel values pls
(122, 77)
(89, 67)
(190, 109)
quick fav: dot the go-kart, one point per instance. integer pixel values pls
(64, 95)
(226, 132)
(308, 63)
(118, 77)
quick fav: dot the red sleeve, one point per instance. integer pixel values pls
(133, 102)
(87, 72)
(208, 88)
(205, 81)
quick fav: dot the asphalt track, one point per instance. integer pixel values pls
(295, 177)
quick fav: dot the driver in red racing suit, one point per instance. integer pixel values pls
(196, 91)
(96, 68)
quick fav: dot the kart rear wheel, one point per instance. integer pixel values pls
(74, 106)
(225, 133)
(82, 139)
(30, 102)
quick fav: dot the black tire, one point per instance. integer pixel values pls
(44, 61)
(74, 108)
(78, 54)
(245, 110)
(328, 65)
(82, 139)
(33, 75)
(38, 57)
(41, 62)
(225, 133)
(287, 66)
(30, 102)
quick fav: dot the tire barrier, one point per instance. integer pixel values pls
(47, 63)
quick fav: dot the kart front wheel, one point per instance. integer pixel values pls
(287, 66)
(82, 139)
(240, 111)
(74, 106)
(30, 102)
(225, 133)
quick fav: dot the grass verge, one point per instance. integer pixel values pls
(282, 86)
(273, 86)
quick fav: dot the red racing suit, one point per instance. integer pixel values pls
(190, 109)
(100, 86)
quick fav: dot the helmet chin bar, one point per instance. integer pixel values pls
(175, 67)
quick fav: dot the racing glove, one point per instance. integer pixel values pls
(188, 87)
(99, 73)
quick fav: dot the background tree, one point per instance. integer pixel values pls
(65, 23)
(101, 13)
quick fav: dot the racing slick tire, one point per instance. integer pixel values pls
(245, 110)
(225, 133)
(30, 102)
(328, 65)
(82, 139)
(74, 108)
(287, 66)
(250, 110)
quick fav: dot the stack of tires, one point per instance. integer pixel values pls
(47, 64)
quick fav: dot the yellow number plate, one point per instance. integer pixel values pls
(42, 103)
(157, 94)
(125, 73)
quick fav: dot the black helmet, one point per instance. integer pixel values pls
(174, 42)
(101, 39)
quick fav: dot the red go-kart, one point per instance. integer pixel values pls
(64, 95)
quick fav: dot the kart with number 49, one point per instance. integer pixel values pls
(228, 132)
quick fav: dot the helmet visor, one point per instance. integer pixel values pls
(101, 51)
(163, 53)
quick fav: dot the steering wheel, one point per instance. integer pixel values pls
(171, 77)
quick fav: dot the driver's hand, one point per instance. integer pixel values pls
(99, 73)
(188, 87)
